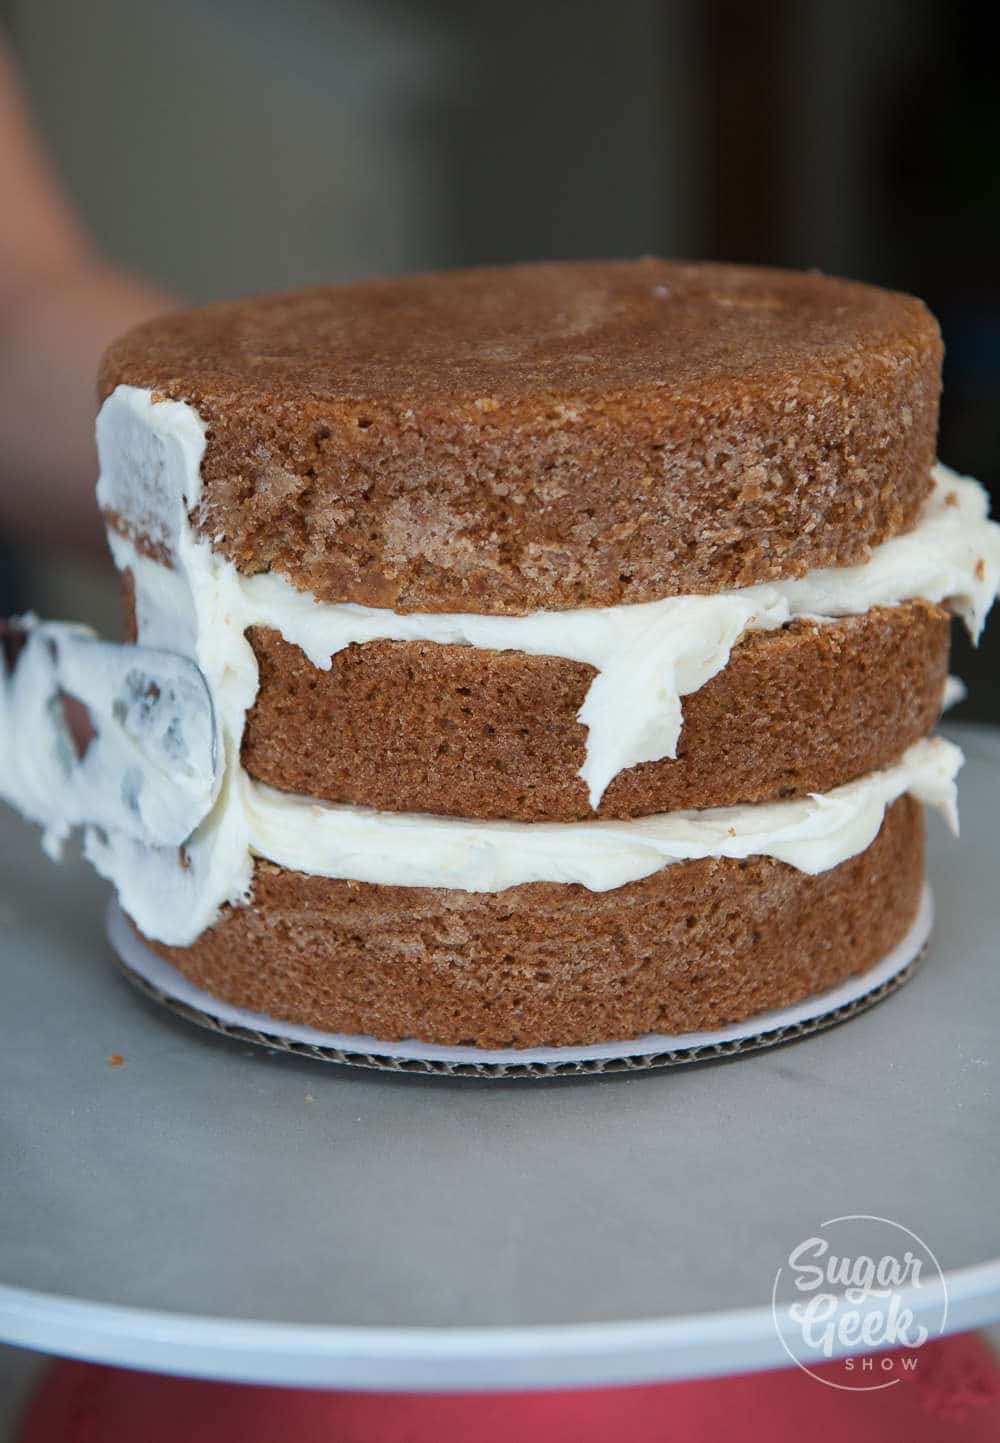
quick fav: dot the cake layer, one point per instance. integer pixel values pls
(551, 436)
(691, 947)
(455, 730)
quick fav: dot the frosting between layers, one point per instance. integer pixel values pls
(409, 849)
(647, 657)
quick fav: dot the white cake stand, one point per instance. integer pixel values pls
(211, 1208)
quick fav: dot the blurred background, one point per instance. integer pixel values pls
(219, 147)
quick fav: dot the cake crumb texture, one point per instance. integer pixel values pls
(551, 436)
(454, 730)
(694, 946)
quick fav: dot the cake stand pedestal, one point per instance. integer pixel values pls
(206, 1207)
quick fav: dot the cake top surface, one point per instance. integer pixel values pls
(551, 436)
(500, 333)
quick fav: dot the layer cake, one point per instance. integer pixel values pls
(574, 635)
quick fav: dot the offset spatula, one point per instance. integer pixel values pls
(95, 733)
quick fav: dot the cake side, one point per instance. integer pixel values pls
(411, 726)
(554, 649)
(649, 660)
(413, 919)
(552, 436)
(692, 947)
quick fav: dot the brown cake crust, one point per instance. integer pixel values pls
(413, 726)
(694, 946)
(552, 436)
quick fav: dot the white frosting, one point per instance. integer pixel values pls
(146, 770)
(409, 849)
(955, 691)
(150, 459)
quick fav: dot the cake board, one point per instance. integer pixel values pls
(213, 1208)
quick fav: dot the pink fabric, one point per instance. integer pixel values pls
(953, 1394)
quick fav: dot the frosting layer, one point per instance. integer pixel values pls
(812, 834)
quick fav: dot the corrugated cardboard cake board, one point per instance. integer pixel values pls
(165, 985)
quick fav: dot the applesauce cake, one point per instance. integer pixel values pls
(575, 634)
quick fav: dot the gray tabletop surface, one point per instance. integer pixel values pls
(214, 1179)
